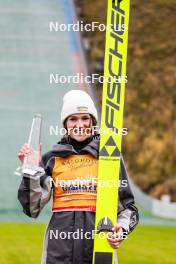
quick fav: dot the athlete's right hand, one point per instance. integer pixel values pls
(24, 152)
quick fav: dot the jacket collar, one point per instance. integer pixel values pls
(64, 149)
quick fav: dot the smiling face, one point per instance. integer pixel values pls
(79, 126)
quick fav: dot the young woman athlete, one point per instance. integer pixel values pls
(69, 174)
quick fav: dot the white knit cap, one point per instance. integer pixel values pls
(77, 102)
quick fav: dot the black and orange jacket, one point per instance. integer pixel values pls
(70, 175)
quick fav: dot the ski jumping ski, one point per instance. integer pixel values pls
(111, 121)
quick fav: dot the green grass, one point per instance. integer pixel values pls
(22, 243)
(149, 245)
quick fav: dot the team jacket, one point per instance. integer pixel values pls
(70, 176)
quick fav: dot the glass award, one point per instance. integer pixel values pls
(31, 162)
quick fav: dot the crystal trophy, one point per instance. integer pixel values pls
(31, 162)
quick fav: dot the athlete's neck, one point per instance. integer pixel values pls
(78, 145)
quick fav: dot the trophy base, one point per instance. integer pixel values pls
(32, 170)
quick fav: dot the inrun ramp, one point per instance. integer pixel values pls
(29, 52)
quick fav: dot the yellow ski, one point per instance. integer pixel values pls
(111, 126)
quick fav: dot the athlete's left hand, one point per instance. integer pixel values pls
(115, 237)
